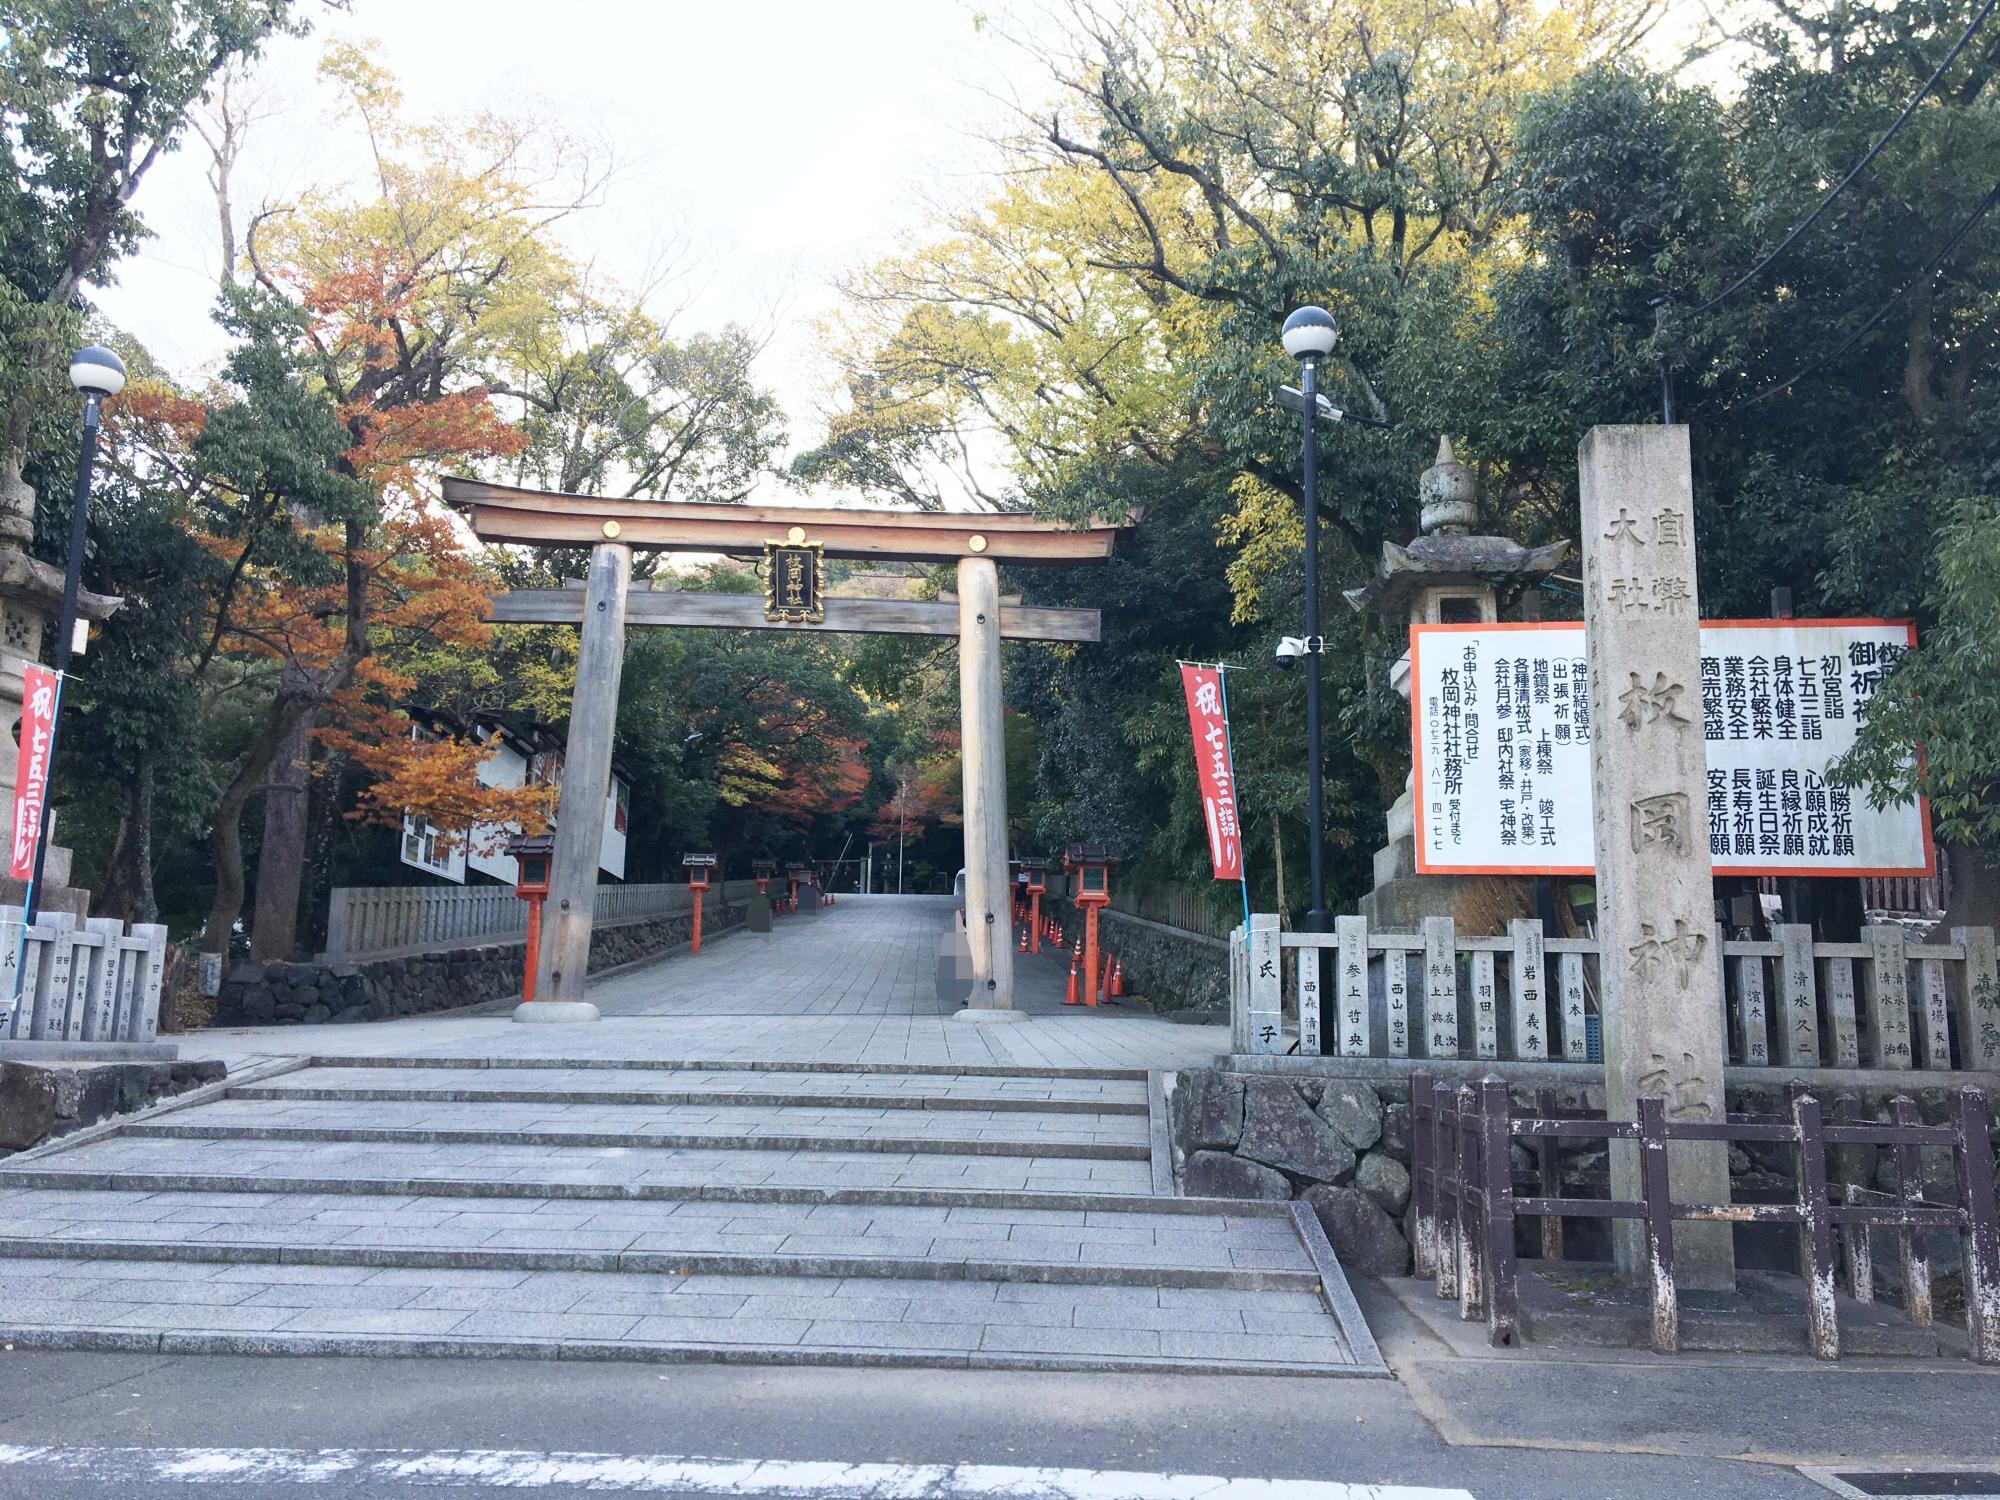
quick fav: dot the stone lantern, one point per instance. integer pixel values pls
(1448, 575)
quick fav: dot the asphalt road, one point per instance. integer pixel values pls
(93, 1409)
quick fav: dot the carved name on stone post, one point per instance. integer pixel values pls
(1661, 985)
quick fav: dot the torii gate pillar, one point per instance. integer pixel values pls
(586, 780)
(984, 764)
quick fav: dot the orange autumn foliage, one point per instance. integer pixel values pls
(831, 783)
(421, 591)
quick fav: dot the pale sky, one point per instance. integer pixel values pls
(784, 140)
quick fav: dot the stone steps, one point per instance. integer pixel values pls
(341, 1117)
(910, 1238)
(266, 1307)
(794, 1215)
(722, 1164)
(820, 1069)
(708, 1084)
(700, 1098)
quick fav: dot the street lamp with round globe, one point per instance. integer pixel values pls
(1309, 334)
(97, 371)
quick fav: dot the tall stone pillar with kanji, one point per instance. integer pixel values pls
(1661, 981)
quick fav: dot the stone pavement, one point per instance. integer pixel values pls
(780, 1151)
(855, 984)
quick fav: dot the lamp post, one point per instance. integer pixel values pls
(1308, 336)
(97, 373)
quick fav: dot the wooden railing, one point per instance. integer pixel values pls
(1884, 1002)
(1918, 895)
(1463, 1195)
(93, 982)
(392, 921)
(1184, 908)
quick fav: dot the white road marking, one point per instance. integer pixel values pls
(670, 1474)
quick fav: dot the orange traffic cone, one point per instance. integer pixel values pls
(1118, 979)
(1069, 995)
(1024, 937)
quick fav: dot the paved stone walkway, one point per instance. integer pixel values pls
(855, 984)
(781, 1151)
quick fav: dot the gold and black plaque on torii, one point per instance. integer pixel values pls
(793, 588)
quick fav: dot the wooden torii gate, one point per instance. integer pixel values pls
(614, 529)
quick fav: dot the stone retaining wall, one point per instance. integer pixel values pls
(307, 994)
(1342, 1145)
(1172, 970)
(41, 1101)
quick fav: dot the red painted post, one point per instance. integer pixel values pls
(1091, 955)
(698, 866)
(533, 958)
(1090, 890)
(531, 883)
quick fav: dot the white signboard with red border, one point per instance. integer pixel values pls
(1502, 722)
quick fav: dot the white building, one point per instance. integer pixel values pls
(528, 754)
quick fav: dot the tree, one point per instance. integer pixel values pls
(400, 303)
(91, 97)
(1107, 319)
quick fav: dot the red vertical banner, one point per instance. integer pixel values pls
(31, 767)
(1208, 717)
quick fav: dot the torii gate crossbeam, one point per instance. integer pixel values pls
(613, 529)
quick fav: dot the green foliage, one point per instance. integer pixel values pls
(1513, 254)
(92, 93)
(1938, 700)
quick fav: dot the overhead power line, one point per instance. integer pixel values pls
(1861, 166)
(1930, 269)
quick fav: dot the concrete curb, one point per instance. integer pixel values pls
(1160, 1137)
(670, 1097)
(655, 1262)
(379, 1346)
(1335, 1292)
(48, 1050)
(690, 1141)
